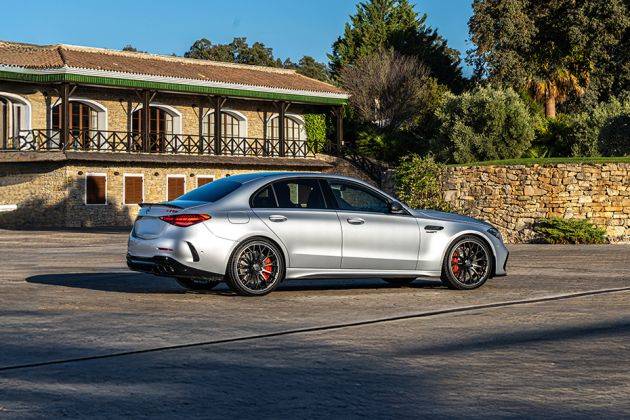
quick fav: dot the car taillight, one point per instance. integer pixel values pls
(185, 220)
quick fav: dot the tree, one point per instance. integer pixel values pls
(131, 48)
(237, 51)
(553, 48)
(383, 24)
(386, 88)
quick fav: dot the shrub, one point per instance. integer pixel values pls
(556, 230)
(418, 183)
(486, 124)
(316, 130)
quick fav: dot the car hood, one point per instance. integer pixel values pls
(451, 217)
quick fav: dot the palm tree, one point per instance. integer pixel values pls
(556, 87)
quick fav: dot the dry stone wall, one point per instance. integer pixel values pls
(514, 197)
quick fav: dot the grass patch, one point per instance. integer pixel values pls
(556, 230)
(547, 161)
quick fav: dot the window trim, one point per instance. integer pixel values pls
(88, 174)
(127, 175)
(173, 176)
(197, 177)
(239, 116)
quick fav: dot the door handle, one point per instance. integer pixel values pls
(355, 221)
(277, 218)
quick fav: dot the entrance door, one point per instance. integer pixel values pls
(83, 122)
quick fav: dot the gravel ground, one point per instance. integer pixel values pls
(66, 295)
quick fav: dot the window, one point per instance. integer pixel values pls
(213, 191)
(175, 186)
(204, 179)
(83, 119)
(292, 128)
(95, 189)
(355, 198)
(133, 189)
(299, 193)
(265, 199)
(230, 126)
(14, 117)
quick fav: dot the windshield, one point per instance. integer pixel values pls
(211, 192)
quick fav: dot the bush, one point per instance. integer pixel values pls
(418, 183)
(485, 124)
(604, 131)
(316, 131)
(556, 230)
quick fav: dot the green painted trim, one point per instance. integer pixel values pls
(547, 161)
(171, 87)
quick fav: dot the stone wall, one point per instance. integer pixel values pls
(514, 197)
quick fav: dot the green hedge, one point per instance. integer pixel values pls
(556, 230)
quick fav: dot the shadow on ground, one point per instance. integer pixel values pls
(125, 282)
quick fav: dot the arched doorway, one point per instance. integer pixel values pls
(14, 120)
(85, 119)
(163, 126)
(233, 131)
(294, 134)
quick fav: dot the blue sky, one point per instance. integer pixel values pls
(291, 27)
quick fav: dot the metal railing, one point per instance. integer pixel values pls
(39, 140)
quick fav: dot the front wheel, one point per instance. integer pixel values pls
(467, 264)
(197, 284)
(255, 268)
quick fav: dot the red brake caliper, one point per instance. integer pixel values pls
(267, 267)
(455, 262)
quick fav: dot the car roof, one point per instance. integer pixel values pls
(272, 176)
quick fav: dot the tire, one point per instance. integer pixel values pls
(256, 267)
(467, 264)
(402, 281)
(197, 284)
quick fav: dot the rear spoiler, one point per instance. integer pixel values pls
(174, 206)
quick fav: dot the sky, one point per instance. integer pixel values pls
(293, 28)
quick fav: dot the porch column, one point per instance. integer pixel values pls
(65, 116)
(200, 131)
(283, 107)
(145, 120)
(339, 133)
(218, 103)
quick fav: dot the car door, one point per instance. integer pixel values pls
(296, 211)
(373, 237)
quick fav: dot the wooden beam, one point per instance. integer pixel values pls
(65, 115)
(282, 109)
(145, 120)
(218, 104)
(339, 131)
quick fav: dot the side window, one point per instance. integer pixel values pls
(299, 193)
(264, 199)
(355, 198)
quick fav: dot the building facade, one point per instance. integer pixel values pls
(86, 134)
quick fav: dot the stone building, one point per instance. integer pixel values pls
(86, 133)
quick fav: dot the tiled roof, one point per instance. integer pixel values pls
(44, 57)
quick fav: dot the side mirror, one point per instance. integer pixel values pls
(395, 207)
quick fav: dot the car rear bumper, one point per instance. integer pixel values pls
(166, 266)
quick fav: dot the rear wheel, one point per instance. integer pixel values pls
(402, 281)
(197, 284)
(467, 264)
(255, 268)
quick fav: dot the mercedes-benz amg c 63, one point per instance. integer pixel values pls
(255, 230)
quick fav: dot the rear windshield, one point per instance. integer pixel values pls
(211, 192)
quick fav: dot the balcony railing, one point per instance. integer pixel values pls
(155, 143)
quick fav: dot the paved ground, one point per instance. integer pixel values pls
(66, 295)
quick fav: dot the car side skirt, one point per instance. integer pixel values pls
(309, 273)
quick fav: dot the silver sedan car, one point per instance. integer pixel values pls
(255, 230)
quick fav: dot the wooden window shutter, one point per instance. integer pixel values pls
(203, 181)
(133, 189)
(175, 186)
(95, 189)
